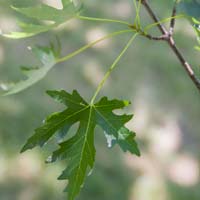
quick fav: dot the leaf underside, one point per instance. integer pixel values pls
(79, 150)
(47, 57)
(43, 13)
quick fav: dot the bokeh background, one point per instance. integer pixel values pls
(165, 103)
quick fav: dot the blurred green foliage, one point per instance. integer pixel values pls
(149, 75)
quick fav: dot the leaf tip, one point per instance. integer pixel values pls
(49, 92)
(24, 148)
(62, 176)
(126, 103)
(137, 152)
(27, 146)
(14, 8)
(75, 92)
(5, 89)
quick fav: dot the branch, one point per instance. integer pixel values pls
(143, 33)
(172, 43)
(162, 29)
(172, 22)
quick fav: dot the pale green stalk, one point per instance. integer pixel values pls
(67, 57)
(102, 20)
(135, 4)
(111, 68)
(137, 8)
(138, 13)
(162, 21)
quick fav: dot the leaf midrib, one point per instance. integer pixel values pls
(84, 143)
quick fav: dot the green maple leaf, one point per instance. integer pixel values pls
(79, 150)
(43, 13)
(47, 56)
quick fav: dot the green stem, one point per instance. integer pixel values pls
(162, 21)
(67, 57)
(137, 8)
(102, 20)
(138, 13)
(111, 68)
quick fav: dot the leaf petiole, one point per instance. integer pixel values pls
(111, 68)
(162, 21)
(137, 8)
(102, 20)
(67, 57)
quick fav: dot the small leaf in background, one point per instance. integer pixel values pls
(79, 150)
(196, 26)
(43, 13)
(190, 8)
(47, 57)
